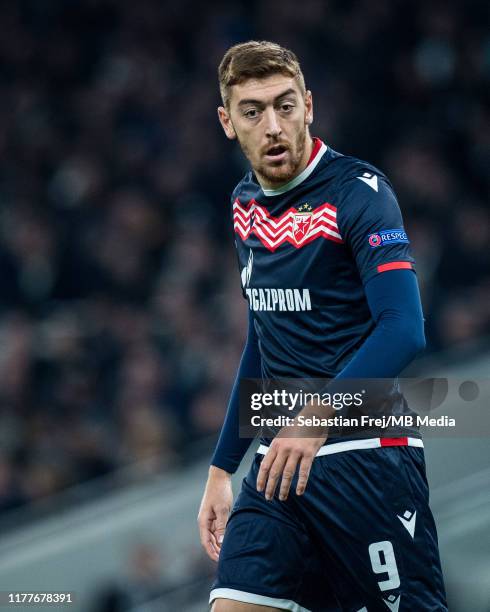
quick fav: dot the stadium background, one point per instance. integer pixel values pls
(121, 316)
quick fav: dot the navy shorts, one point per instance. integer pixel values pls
(361, 539)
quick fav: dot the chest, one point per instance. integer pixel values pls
(301, 247)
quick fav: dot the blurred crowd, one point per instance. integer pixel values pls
(121, 316)
(144, 584)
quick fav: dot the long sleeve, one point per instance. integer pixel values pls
(394, 301)
(230, 448)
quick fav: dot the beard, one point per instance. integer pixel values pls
(285, 170)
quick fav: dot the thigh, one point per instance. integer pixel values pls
(267, 557)
(369, 511)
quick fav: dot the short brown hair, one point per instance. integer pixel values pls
(256, 59)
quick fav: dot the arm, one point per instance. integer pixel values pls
(394, 301)
(231, 449)
(218, 496)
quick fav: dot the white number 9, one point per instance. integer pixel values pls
(386, 565)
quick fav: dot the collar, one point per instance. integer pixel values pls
(319, 148)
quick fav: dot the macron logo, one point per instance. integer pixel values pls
(408, 521)
(369, 179)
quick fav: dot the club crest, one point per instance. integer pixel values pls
(302, 222)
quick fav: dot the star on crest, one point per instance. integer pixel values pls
(305, 208)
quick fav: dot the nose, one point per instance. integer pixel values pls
(273, 129)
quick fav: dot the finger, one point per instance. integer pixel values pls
(288, 475)
(304, 473)
(274, 475)
(211, 547)
(265, 466)
(206, 538)
(220, 522)
(215, 545)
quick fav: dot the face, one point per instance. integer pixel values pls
(270, 119)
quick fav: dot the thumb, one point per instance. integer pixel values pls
(220, 522)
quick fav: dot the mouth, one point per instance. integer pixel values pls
(276, 153)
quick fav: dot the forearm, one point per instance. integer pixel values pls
(230, 448)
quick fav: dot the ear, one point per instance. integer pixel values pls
(226, 124)
(308, 108)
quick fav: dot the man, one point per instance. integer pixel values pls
(322, 523)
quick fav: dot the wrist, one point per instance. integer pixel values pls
(216, 472)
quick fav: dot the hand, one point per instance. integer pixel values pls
(215, 508)
(288, 449)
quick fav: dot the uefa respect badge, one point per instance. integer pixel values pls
(388, 236)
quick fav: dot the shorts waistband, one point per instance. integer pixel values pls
(340, 447)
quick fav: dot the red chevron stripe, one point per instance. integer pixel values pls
(246, 209)
(287, 228)
(274, 231)
(325, 210)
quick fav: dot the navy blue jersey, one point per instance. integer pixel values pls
(305, 251)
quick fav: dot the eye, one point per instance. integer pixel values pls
(251, 113)
(287, 107)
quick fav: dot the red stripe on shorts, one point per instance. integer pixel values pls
(394, 441)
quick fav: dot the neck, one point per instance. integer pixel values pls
(305, 159)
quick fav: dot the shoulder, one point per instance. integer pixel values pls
(244, 188)
(356, 175)
(363, 194)
(360, 188)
